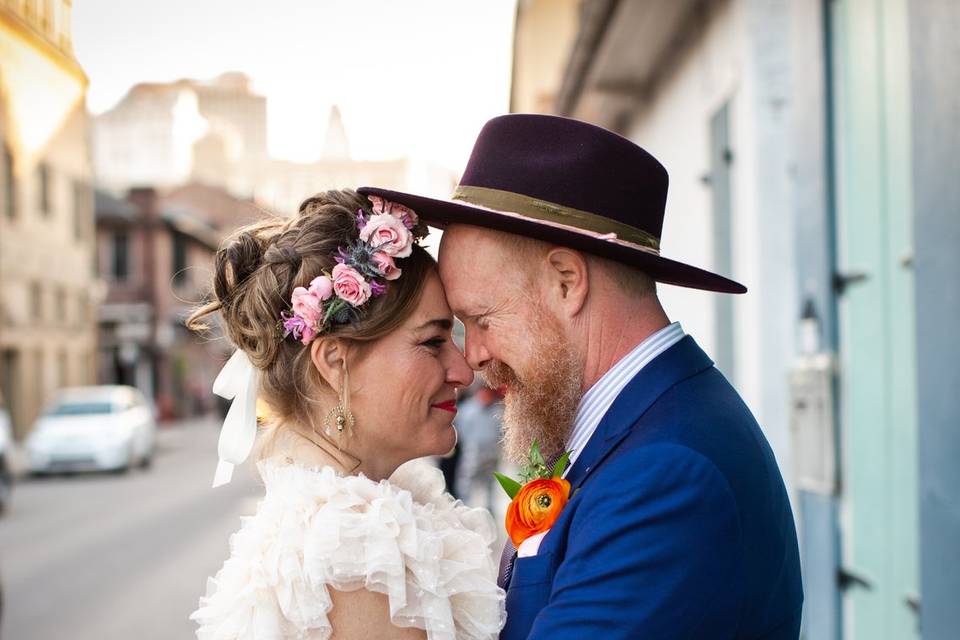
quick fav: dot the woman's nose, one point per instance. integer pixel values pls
(459, 372)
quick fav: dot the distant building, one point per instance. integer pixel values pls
(283, 185)
(156, 256)
(48, 286)
(214, 133)
(166, 134)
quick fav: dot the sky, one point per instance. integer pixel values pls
(414, 78)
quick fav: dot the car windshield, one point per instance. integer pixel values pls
(81, 408)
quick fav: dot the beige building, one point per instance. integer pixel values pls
(542, 38)
(166, 134)
(48, 286)
(282, 186)
(214, 133)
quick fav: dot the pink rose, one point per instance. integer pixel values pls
(308, 334)
(389, 234)
(385, 265)
(322, 287)
(402, 213)
(307, 305)
(350, 285)
(379, 204)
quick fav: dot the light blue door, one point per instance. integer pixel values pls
(879, 517)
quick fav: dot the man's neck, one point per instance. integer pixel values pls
(616, 333)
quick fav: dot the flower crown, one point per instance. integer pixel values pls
(362, 271)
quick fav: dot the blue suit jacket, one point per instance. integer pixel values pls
(678, 525)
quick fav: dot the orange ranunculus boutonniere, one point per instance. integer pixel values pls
(536, 504)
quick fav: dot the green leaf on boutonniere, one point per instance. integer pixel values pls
(536, 466)
(536, 458)
(560, 465)
(511, 486)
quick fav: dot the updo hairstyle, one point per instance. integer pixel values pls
(255, 272)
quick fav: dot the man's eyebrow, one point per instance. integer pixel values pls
(441, 323)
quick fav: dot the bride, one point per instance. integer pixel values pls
(343, 330)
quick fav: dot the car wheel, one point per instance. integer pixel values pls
(127, 465)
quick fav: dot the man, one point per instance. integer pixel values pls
(678, 523)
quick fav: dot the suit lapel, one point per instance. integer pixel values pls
(677, 363)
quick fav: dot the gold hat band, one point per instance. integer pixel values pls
(554, 213)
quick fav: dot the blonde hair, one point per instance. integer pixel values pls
(255, 272)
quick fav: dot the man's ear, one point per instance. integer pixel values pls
(328, 356)
(567, 280)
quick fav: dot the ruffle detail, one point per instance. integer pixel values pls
(405, 538)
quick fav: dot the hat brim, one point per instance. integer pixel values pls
(440, 213)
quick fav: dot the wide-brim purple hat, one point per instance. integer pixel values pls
(569, 183)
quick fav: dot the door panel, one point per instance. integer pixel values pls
(878, 406)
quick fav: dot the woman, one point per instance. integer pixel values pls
(343, 330)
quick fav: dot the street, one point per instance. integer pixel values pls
(104, 557)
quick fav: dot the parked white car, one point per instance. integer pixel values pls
(104, 428)
(6, 442)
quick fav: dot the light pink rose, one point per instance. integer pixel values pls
(322, 287)
(402, 213)
(308, 334)
(385, 265)
(350, 285)
(379, 204)
(388, 234)
(307, 306)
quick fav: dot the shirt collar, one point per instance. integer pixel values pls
(598, 398)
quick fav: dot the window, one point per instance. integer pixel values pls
(121, 243)
(36, 302)
(60, 300)
(179, 259)
(43, 188)
(63, 372)
(9, 184)
(721, 183)
(83, 309)
(79, 209)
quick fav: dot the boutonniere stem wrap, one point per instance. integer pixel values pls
(535, 503)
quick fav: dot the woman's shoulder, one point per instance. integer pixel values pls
(405, 538)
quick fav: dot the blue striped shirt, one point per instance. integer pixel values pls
(598, 398)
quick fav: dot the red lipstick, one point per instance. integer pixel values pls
(449, 405)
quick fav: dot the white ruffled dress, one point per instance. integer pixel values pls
(405, 538)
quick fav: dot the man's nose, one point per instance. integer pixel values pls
(475, 351)
(459, 372)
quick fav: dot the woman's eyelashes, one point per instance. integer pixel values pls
(434, 343)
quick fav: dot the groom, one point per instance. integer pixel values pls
(678, 523)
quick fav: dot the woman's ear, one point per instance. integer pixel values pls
(328, 356)
(567, 275)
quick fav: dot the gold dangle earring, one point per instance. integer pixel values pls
(341, 416)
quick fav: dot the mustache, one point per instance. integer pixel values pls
(496, 374)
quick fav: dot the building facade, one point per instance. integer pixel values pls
(156, 258)
(167, 134)
(48, 284)
(811, 152)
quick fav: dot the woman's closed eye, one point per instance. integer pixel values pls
(435, 342)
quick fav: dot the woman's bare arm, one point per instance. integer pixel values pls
(362, 614)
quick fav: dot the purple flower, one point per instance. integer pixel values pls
(293, 324)
(377, 288)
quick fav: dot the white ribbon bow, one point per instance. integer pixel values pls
(239, 381)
